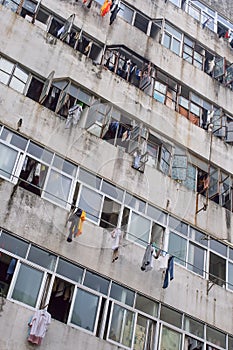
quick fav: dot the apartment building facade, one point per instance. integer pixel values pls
(127, 119)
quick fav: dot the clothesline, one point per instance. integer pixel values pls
(126, 232)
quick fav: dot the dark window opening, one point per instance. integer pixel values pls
(217, 270)
(35, 89)
(202, 182)
(141, 22)
(52, 98)
(7, 267)
(54, 27)
(60, 300)
(101, 314)
(110, 214)
(32, 176)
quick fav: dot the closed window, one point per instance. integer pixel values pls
(126, 13)
(90, 201)
(170, 339)
(27, 286)
(139, 229)
(12, 75)
(172, 39)
(121, 325)
(58, 188)
(196, 259)
(8, 157)
(85, 310)
(177, 247)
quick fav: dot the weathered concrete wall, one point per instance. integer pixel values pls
(44, 224)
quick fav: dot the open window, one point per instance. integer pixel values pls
(46, 87)
(156, 28)
(218, 120)
(217, 269)
(98, 118)
(229, 75)
(214, 184)
(60, 299)
(35, 89)
(32, 176)
(65, 30)
(219, 68)
(110, 213)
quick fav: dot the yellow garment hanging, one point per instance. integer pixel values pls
(80, 224)
(105, 8)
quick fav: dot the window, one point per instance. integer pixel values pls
(171, 316)
(110, 213)
(196, 259)
(172, 39)
(193, 53)
(12, 75)
(7, 161)
(177, 246)
(96, 282)
(230, 275)
(32, 176)
(178, 225)
(13, 244)
(28, 284)
(165, 158)
(170, 339)
(121, 325)
(42, 258)
(58, 188)
(126, 13)
(85, 310)
(122, 294)
(69, 270)
(194, 327)
(90, 201)
(89, 178)
(146, 305)
(215, 337)
(141, 22)
(217, 269)
(139, 229)
(190, 181)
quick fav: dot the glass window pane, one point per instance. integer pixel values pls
(231, 253)
(40, 152)
(85, 309)
(20, 74)
(230, 276)
(167, 40)
(198, 236)
(140, 333)
(69, 270)
(171, 316)
(121, 329)
(170, 339)
(89, 178)
(13, 244)
(27, 285)
(58, 188)
(42, 258)
(146, 305)
(90, 201)
(122, 294)
(176, 46)
(173, 31)
(194, 327)
(84, 97)
(14, 139)
(139, 229)
(156, 214)
(215, 337)
(218, 247)
(230, 343)
(126, 13)
(4, 77)
(196, 256)
(112, 191)
(178, 225)
(17, 84)
(177, 247)
(8, 158)
(6, 66)
(96, 282)
(64, 165)
(191, 343)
